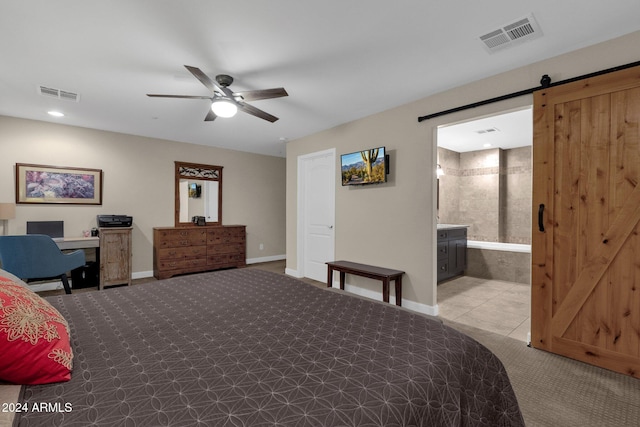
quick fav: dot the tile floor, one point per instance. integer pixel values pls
(493, 305)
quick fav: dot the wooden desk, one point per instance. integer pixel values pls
(370, 271)
(78, 243)
(113, 254)
(80, 277)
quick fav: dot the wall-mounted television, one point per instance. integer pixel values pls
(364, 167)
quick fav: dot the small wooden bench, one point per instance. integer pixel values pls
(370, 271)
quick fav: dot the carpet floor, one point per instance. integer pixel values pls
(556, 391)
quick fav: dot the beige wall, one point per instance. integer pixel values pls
(403, 210)
(138, 181)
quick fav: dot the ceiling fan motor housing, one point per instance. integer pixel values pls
(224, 80)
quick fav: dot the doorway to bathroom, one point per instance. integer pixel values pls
(485, 183)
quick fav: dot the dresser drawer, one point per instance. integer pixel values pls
(226, 248)
(181, 238)
(226, 260)
(182, 252)
(226, 235)
(183, 263)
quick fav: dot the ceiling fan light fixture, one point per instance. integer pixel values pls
(224, 108)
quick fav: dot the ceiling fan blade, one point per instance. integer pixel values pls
(178, 96)
(256, 112)
(211, 116)
(204, 79)
(254, 95)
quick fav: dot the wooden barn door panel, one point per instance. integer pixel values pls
(586, 262)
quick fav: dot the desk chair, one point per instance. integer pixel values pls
(36, 256)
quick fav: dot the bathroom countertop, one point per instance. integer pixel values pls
(450, 226)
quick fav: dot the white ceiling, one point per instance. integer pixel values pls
(339, 60)
(508, 130)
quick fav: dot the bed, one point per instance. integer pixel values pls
(247, 347)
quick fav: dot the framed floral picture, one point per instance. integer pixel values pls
(55, 184)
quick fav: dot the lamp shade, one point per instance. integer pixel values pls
(224, 108)
(7, 210)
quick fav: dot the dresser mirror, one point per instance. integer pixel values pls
(198, 190)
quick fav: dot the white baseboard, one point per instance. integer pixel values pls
(48, 286)
(142, 274)
(411, 305)
(293, 273)
(266, 259)
(57, 284)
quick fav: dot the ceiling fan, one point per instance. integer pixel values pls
(224, 102)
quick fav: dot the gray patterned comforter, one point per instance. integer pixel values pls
(252, 348)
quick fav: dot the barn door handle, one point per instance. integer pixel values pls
(541, 217)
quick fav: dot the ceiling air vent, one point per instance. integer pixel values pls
(509, 35)
(58, 93)
(489, 130)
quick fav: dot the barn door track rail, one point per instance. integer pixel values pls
(545, 82)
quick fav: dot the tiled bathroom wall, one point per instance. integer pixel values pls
(489, 190)
(517, 195)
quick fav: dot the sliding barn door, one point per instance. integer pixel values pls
(585, 242)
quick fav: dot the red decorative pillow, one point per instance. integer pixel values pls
(34, 338)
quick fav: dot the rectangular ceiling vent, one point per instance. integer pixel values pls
(58, 93)
(512, 34)
(489, 130)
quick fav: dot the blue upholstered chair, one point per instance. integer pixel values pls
(36, 256)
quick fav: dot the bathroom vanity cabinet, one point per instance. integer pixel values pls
(452, 251)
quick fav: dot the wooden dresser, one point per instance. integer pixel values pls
(179, 250)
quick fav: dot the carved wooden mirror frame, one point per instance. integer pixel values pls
(197, 171)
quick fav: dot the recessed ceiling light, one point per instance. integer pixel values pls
(487, 145)
(56, 114)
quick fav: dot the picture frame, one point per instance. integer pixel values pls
(38, 184)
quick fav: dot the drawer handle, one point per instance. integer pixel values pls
(541, 218)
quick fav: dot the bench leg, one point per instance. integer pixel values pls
(329, 277)
(342, 276)
(399, 291)
(385, 290)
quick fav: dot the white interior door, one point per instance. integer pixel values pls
(316, 212)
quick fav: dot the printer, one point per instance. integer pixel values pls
(114, 221)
